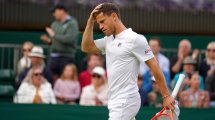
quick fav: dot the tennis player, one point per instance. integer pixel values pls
(124, 50)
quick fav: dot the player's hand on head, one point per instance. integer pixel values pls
(96, 9)
(169, 102)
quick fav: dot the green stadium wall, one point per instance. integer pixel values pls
(76, 112)
(168, 41)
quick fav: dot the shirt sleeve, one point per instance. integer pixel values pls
(141, 49)
(101, 44)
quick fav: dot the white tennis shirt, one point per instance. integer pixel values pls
(123, 56)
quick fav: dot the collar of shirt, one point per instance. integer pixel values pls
(67, 18)
(123, 32)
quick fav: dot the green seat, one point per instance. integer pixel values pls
(6, 93)
(6, 77)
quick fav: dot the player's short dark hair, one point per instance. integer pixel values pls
(156, 39)
(108, 9)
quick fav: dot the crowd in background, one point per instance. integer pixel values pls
(57, 80)
(188, 5)
(89, 87)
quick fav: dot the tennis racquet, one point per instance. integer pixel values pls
(166, 114)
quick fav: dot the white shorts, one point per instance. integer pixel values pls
(124, 109)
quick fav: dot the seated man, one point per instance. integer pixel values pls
(95, 94)
(194, 96)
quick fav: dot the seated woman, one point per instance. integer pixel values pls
(35, 89)
(95, 94)
(194, 96)
(67, 88)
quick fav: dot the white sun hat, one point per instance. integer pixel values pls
(99, 70)
(37, 51)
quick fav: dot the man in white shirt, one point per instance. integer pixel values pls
(124, 51)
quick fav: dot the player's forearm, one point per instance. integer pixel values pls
(159, 77)
(87, 36)
(160, 80)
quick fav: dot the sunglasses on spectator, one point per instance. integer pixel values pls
(26, 50)
(211, 50)
(38, 74)
(96, 76)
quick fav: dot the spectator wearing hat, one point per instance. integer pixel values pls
(37, 59)
(62, 38)
(194, 96)
(96, 94)
(188, 69)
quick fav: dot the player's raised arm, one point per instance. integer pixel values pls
(88, 44)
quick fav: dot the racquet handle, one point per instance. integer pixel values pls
(178, 85)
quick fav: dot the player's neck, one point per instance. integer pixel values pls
(119, 28)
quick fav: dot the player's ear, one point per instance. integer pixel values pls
(114, 16)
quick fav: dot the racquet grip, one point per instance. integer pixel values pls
(178, 85)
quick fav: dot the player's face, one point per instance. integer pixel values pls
(106, 23)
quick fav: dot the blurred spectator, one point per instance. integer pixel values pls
(67, 88)
(35, 89)
(207, 66)
(96, 94)
(25, 61)
(63, 37)
(194, 96)
(37, 59)
(85, 76)
(142, 92)
(210, 87)
(163, 62)
(184, 49)
(188, 69)
(154, 97)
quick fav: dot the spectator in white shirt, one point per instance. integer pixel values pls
(25, 61)
(95, 94)
(35, 89)
(163, 61)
